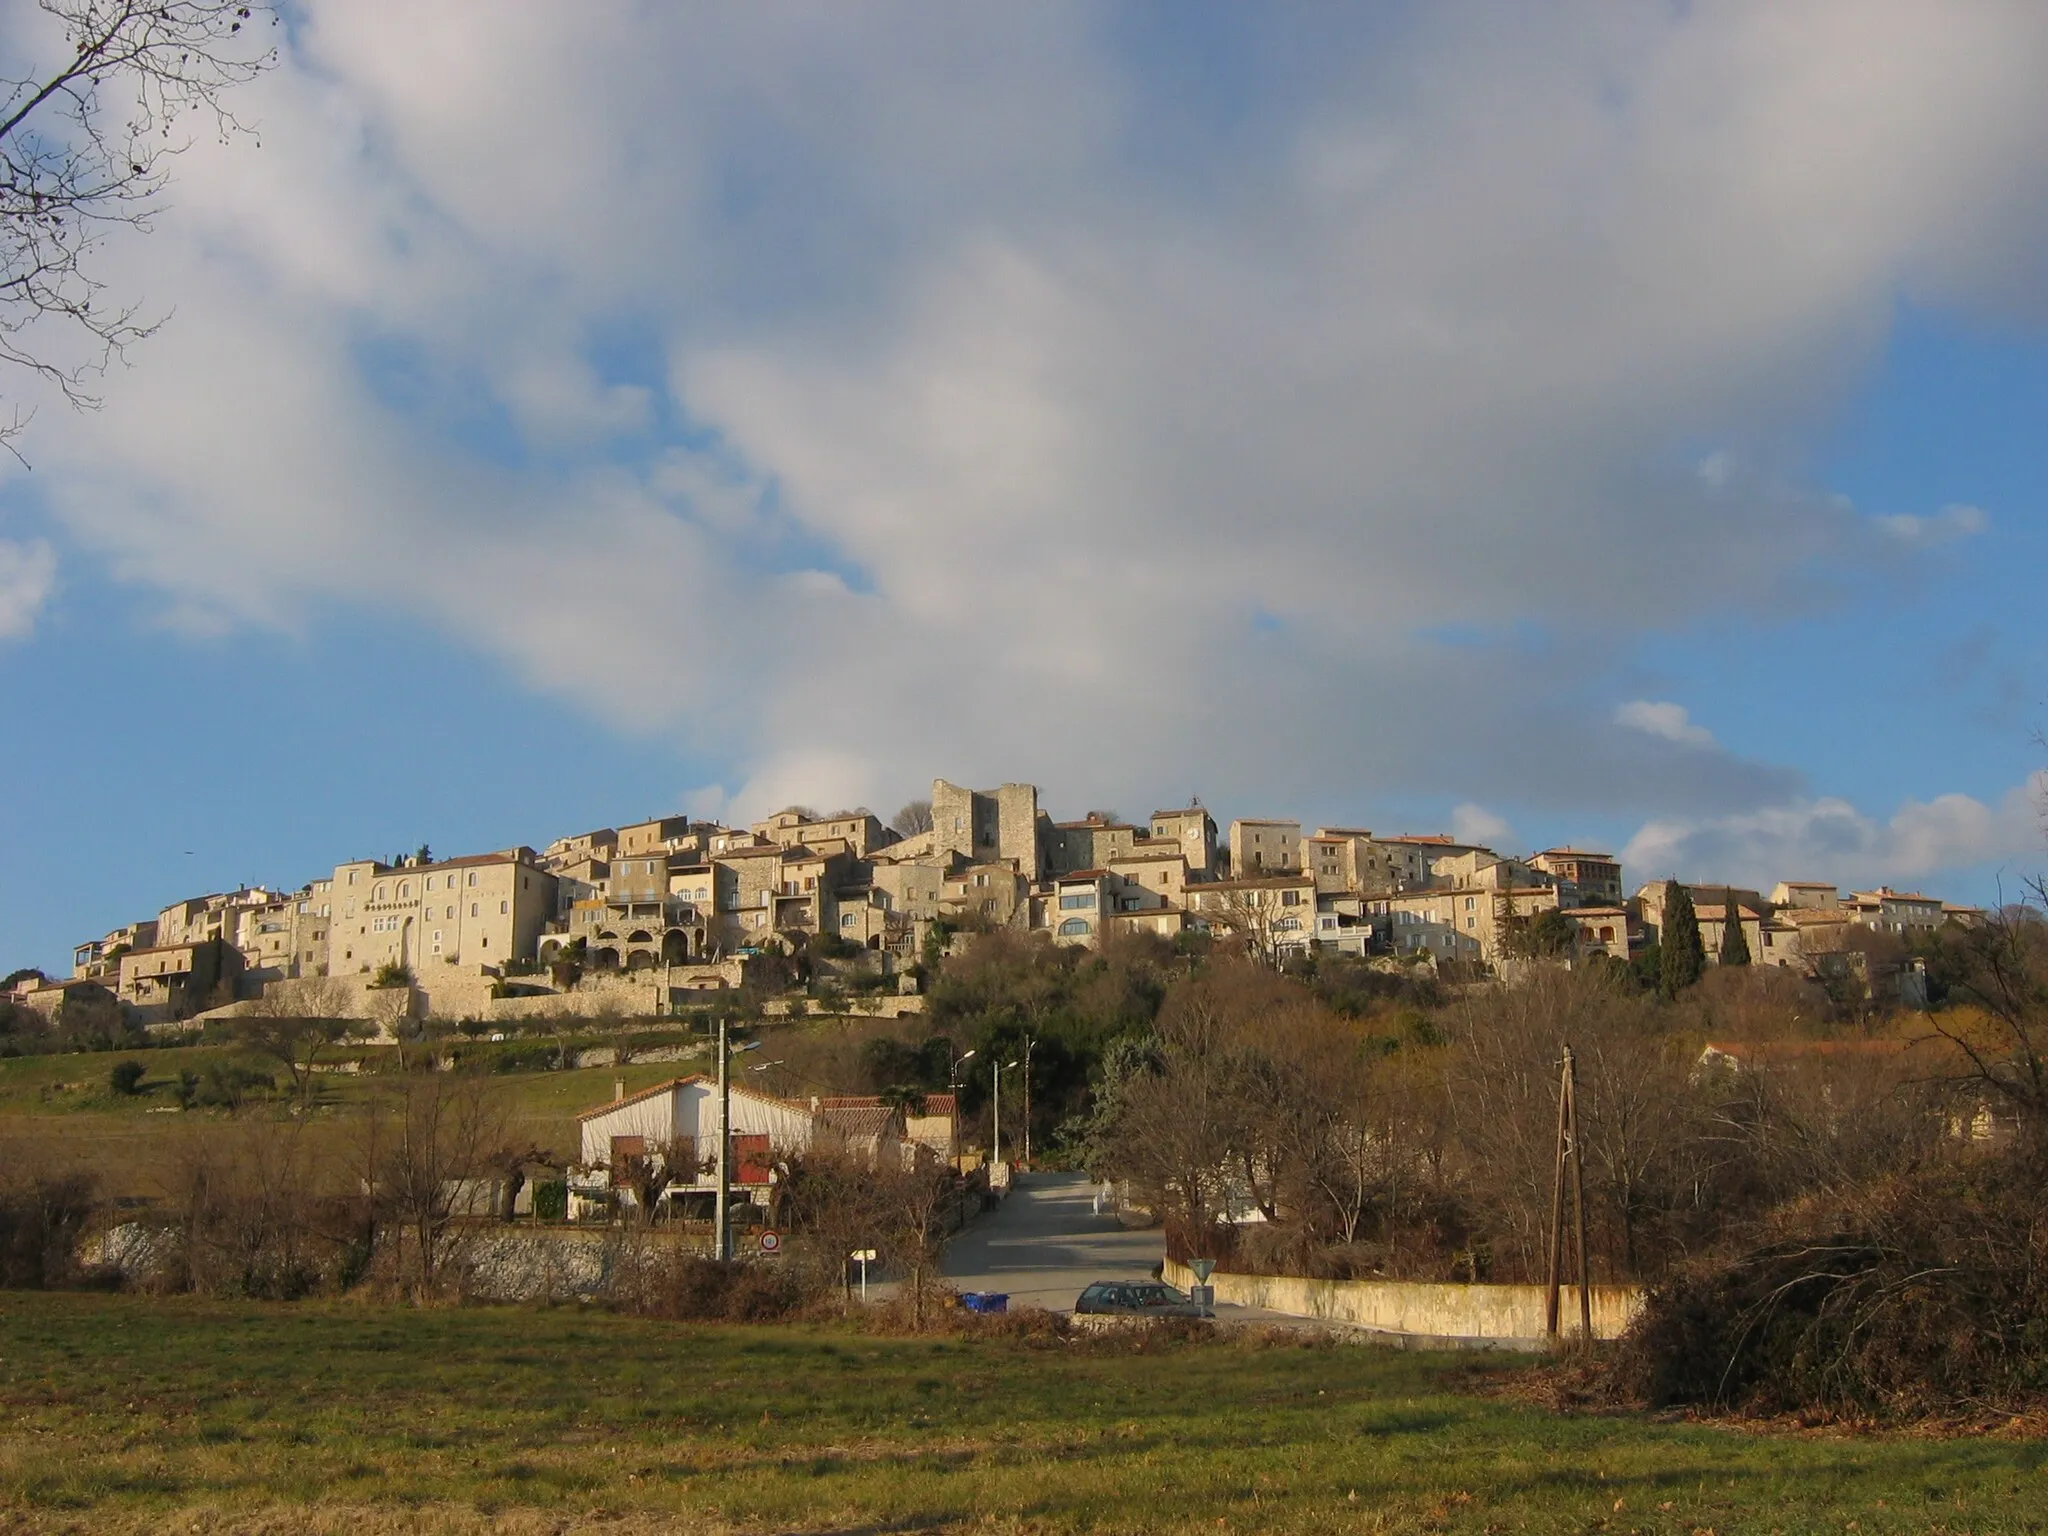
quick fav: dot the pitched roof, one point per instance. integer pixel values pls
(934, 1103)
(680, 1082)
(859, 1119)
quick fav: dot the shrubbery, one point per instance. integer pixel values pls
(1927, 1293)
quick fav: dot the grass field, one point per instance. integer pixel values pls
(64, 1107)
(126, 1414)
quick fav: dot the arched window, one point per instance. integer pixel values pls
(1073, 927)
(404, 889)
(378, 894)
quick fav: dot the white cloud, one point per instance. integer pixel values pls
(1054, 402)
(28, 572)
(1958, 520)
(1476, 824)
(1829, 839)
(1663, 719)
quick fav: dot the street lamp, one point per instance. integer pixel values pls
(997, 1077)
(722, 1226)
(953, 1077)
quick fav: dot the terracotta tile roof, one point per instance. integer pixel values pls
(934, 1103)
(859, 1119)
(681, 1082)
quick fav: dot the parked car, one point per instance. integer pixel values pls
(1137, 1298)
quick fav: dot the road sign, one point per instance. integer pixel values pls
(771, 1240)
(862, 1255)
(1203, 1269)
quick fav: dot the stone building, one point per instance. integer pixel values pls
(1193, 831)
(1597, 876)
(482, 910)
(1260, 848)
(976, 825)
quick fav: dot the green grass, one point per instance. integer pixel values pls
(120, 1413)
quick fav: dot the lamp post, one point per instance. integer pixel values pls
(722, 1226)
(1028, 1043)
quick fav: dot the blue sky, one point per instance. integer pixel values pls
(1622, 430)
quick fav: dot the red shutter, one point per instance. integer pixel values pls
(750, 1156)
(625, 1149)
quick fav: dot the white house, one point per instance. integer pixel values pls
(678, 1122)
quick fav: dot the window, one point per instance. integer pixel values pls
(351, 877)
(430, 882)
(449, 913)
(1290, 898)
(472, 909)
(1077, 902)
(472, 877)
(404, 890)
(504, 907)
(1468, 903)
(377, 894)
(1073, 927)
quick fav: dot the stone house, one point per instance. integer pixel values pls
(1264, 847)
(1193, 831)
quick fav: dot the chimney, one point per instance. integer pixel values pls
(618, 1089)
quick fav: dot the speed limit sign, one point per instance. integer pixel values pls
(771, 1241)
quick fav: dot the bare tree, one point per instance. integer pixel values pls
(295, 1028)
(82, 142)
(650, 1173)
(915, 817)
(420, 1150)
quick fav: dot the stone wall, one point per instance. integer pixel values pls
(1508, 1315)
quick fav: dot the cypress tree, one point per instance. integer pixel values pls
(1734, 942)
(1684, 955)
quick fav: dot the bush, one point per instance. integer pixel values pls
(226, 1085)
(126, 1078)
(684, 1287)
(551, 1200)
(1928, 1294)
(41, 1218)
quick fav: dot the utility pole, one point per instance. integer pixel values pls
(996, 1076)
(1571, 1168)
(722, 1227)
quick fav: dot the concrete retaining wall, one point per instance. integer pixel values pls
(1508, 1313)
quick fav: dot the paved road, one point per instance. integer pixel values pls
(1045, 1242)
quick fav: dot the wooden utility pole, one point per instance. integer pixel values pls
(722, 1212)
(1571, 1167)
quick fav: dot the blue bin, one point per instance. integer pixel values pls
(985, 1301)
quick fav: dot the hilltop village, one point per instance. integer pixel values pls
(635, 918)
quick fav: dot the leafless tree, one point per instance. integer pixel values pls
(915, 817)
(82, 143)
(420, 1148)
(294, 1028)
(241, 1201)
(2001, 966)
(650, 1173)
